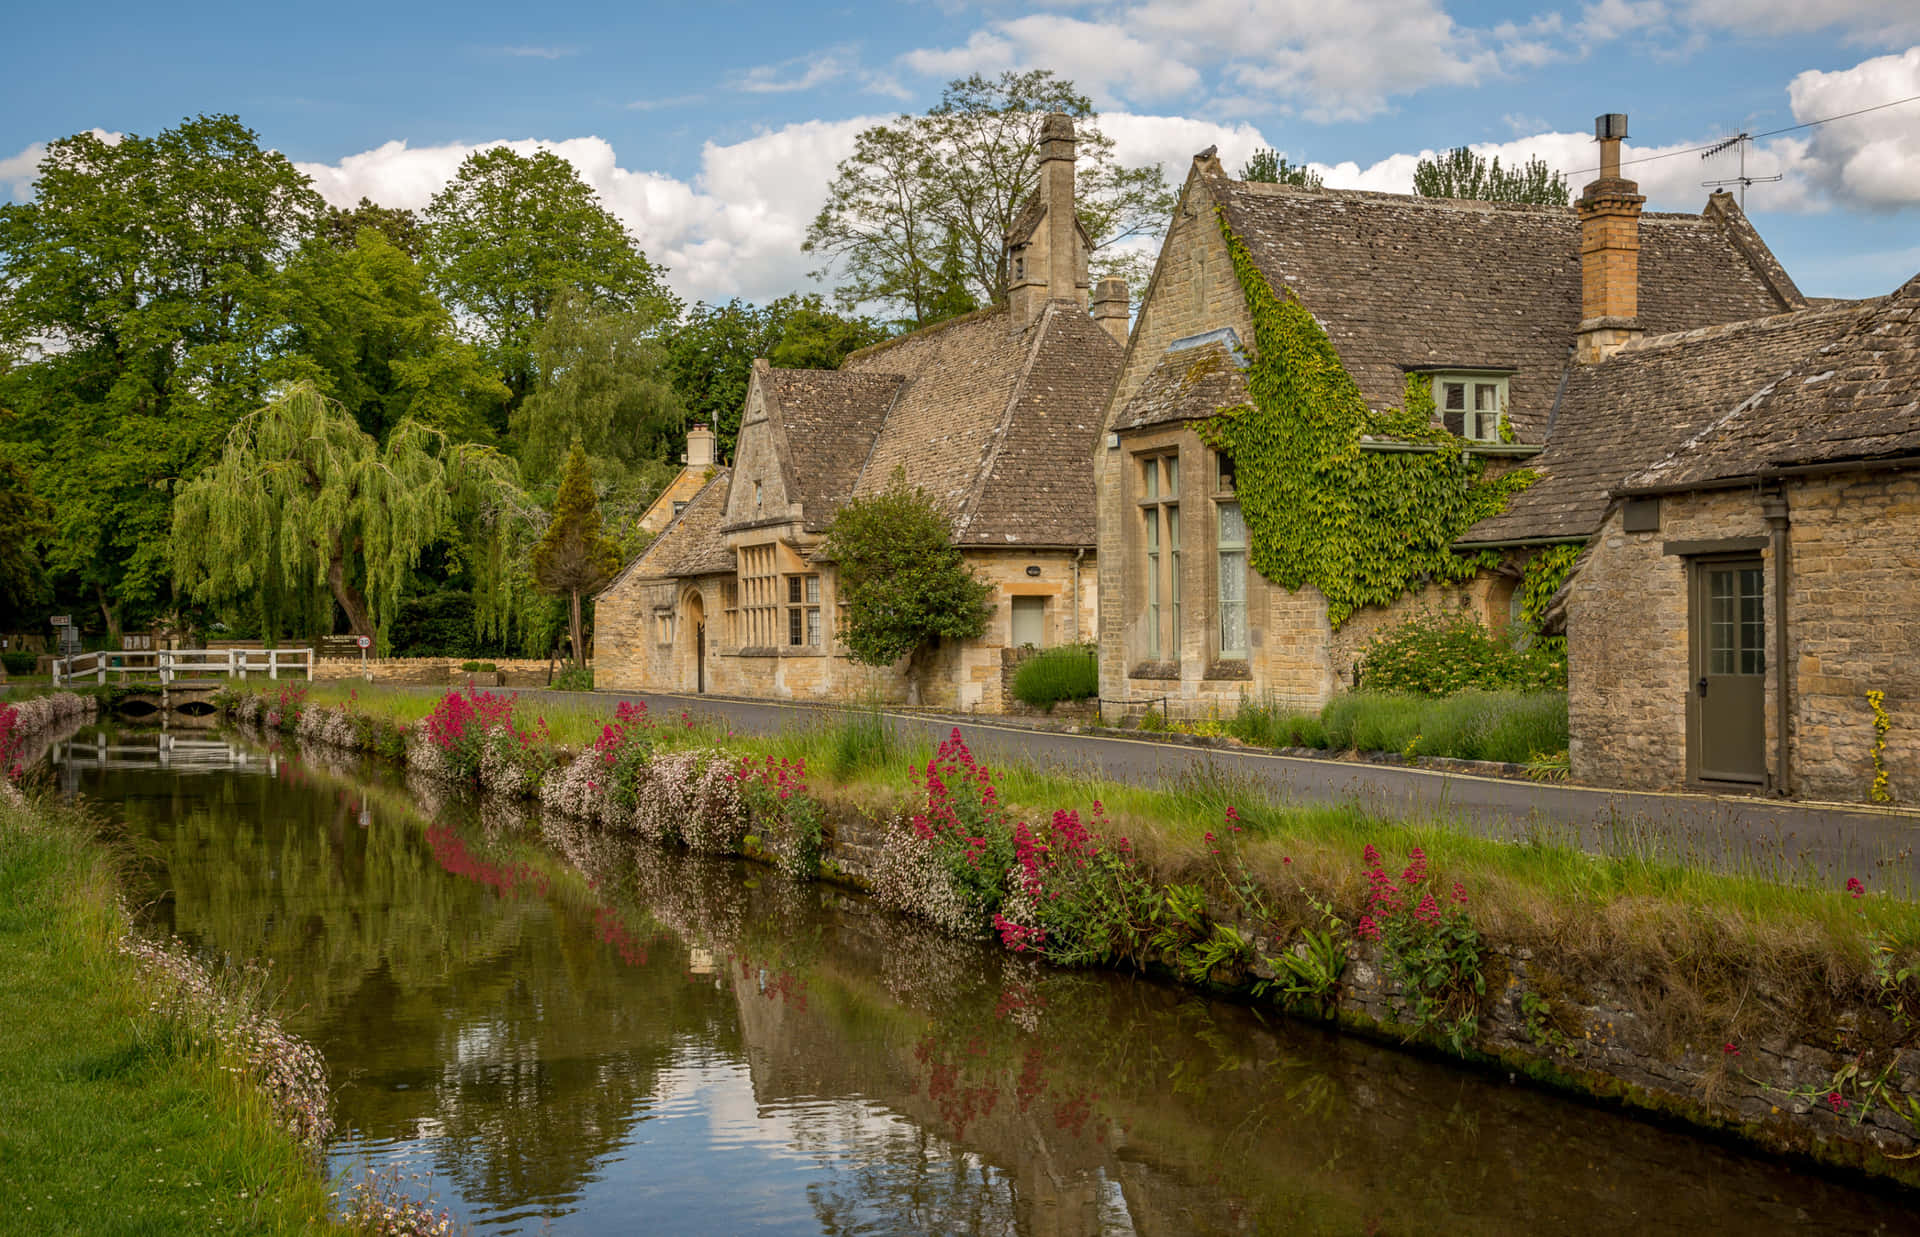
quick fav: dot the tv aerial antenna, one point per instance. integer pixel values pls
(1739, 141)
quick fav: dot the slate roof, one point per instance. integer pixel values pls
(1401, 281)
(829, 419)
(1191, 381)
(690, 545)
(998, 424)
(1621, 414)
(1857, 398)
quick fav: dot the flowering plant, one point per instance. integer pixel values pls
(1431, 947)
(1072, 896)
(789, 822)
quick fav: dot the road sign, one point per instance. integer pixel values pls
(61, 620)
(365, 642)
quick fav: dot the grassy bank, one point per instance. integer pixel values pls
(1226, 884)
(123, 1109)
(1513, 727)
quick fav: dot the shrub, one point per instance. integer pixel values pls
(948, 863)
(1431, 950)
(1472, 725)
(20, 663)
(1069, 672)
(1437, 655)
(1075, 899)
(574, 679)
(1266, 725)
(478, 667)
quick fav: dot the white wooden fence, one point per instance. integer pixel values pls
(166, 666)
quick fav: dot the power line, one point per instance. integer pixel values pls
(1807, 124)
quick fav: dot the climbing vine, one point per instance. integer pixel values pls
(1364, 527)
(1544, 574)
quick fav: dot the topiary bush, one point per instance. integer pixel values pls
(1069, 672)
(574, 679)
(1440, 654)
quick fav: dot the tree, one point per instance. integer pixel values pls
(367, 331)
(575, 557)
(603, 385)
(24, 523)
(710, 355)
(401, 227)
(141, 311)
(511, 234)
(903, 580)
(302, 498)
(1460, 173)
(962, 173)
(1271, 167)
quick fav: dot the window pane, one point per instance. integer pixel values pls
(1233, 527)
(1483, 397)
(1225, 473)
(1153, 529)
(793, 588)
(813, 628)
(1150, 478)
(1722, 635)
(1173, 476)
(1455, 396)
(1233, 603)
(813, 590)
(1753, 623)
(793, 627)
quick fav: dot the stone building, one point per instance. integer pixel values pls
(1493, 309)
(1746, 590)
(697, 468)
(994, 414)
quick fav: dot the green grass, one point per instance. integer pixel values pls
(1507, 726)
(115, 1119)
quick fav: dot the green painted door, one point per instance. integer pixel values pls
(1728, 738)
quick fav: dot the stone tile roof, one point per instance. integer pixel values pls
(828, 419)
(689, 546)
(1191, 381)
(1620, 415)
(997, 422)
(1857, 397)
(1401, 281)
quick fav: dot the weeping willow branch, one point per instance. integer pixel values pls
(301, 497)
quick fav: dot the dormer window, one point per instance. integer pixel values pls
(1471, 405)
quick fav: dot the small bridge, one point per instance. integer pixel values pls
(182, 669)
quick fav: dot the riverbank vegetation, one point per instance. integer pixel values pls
(144, 1092)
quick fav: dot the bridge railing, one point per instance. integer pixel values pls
(171, 665)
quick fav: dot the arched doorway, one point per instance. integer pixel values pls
(693, 623)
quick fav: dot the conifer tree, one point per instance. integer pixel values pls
(575, 557)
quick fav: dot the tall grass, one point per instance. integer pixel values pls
(1505, 726)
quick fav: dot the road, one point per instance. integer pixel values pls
(1777, 838)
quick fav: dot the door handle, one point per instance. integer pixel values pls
(1703, 687)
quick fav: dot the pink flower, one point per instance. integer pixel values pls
(1855, 888)
(1367, 929)
(1836, 1102)
(1459, 893)
(1370, 856)
(1730, 1048)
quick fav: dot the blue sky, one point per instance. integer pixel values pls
(711, 129)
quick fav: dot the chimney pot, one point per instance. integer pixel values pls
(1110, 307)
(1609, 211)
(700, 444)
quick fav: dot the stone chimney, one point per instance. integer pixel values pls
(1110, 308)
(1609, 213)
(700, 442)
(1046, 260)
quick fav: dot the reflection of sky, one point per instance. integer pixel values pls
(704, 1155)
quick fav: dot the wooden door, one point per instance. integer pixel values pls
(700, 658)
(1727, 738)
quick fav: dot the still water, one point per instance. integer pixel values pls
(574, 1034)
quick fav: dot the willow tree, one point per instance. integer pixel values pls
(302, 498)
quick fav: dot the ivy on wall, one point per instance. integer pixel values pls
(1545, 572)
(1364, 527)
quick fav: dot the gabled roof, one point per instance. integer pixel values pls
(1194, 379)
(997, 422)
(690, 545)
(1401, 281)
(1856, 398)
(827, 420)
(1619, 415)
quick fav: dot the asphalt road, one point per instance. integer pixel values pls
(1773, 837)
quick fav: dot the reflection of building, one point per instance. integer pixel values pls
(699, 960)
(994, 414)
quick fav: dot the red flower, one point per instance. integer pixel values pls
(1855, 888)
(1836, 1102)
(1369, 855)
(1730, 1048)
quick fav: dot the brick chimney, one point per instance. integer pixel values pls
(1609, 213)
(699, 448)
(1110, 308)
(1046, 260)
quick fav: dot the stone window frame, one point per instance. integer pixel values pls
(663, 625)
(1157, 497)
(803, 610)
(759, 599)
(1471, 382)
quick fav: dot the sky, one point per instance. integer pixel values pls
(712, 129)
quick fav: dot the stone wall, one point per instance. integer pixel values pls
(1853, 626)
(432, 671)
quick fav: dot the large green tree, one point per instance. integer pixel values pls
(1460, 173)
(959, 175)
(367, 331)
(302, 499)
(710, 355)
(604, 384)
(512, 234)
(25, 522)
(574, 557)
(141, 309)
(903, 580)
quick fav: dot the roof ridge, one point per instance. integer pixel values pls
(1268, 189)
(721, 472)
(1723, 210)
(933, 328)
(1722, 330)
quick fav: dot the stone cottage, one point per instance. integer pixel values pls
(994, 414)
(1471, 318)
(1749, 606)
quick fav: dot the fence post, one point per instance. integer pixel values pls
(237, 656)
(100, 663)
(309, 665)
(273, 663)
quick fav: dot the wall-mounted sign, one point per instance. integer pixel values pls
(61, 620)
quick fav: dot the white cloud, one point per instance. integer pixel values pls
(1877, 22)
(541, 53)
(1871, 160)
(779, 78)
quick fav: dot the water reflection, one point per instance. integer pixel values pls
(633, 1039)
